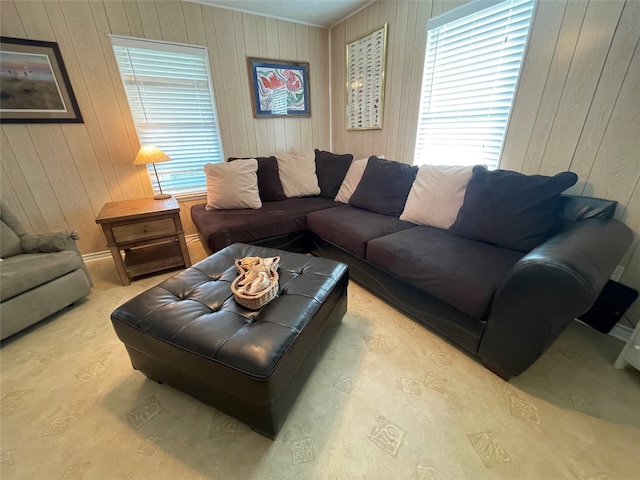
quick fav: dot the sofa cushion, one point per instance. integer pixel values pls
(232, 185)
(331, 170)
(510, 209)
(21, 273)
(351, 180)
(461, 272)
(269, 183)
(384, 187)
(352, 228)
(298, 174)
(9, 241)
(437, 195)
(220, 228)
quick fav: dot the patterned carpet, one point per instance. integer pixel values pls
(388, 400)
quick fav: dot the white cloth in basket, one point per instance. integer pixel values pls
(257, 275)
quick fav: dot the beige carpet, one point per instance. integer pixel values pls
(389, 400)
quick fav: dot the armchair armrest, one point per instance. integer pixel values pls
(554, 283)
(49, 242)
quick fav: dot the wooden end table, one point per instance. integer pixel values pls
(148, 231)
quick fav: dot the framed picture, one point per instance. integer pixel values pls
(279, 88)
(34, 86)
(366, 62)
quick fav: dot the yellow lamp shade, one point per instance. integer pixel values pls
(150, 154)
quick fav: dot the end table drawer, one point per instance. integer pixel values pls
(138, 231)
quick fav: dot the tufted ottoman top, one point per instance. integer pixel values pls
(195, 310)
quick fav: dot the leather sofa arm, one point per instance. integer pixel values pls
(554, 283)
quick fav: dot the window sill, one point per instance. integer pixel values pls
(190, 197)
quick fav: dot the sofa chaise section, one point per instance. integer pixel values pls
(279, 224)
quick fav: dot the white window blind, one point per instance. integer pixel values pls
(472, 62)
(170, 94)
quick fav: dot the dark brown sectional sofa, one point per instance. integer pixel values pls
(504, 306)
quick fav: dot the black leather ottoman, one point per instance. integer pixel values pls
(190, 333)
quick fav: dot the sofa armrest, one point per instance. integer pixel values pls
(48, 242)
(554, 283)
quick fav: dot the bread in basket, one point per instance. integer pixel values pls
(257, 282)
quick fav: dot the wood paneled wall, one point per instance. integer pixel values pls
(406, 45)
(58, 176)
(577, 106)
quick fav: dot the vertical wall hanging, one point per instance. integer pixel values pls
(366, 61)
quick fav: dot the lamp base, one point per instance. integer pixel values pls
(161, 196)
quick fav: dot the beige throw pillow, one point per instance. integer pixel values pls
(298, 174)
(232, 185)
(351, 180)
(437, 195)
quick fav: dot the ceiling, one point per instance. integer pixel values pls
(319, 13)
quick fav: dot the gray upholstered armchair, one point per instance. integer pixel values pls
(39, 273)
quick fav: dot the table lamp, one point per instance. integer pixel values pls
(153, 155)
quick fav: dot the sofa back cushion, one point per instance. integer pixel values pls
(510, 209)
(9, 241)
(437, 195)
(298, 174)
(269, 183)
(384, 187)
(351, 180)
(331, 170)
(232, 185)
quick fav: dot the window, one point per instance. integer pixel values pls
(472, 62)
(171, 99)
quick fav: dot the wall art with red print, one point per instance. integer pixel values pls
(279, 88)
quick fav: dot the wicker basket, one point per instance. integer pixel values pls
(262, 297)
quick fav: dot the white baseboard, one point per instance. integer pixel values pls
(106, 254)
(621, 332)
(95, 256)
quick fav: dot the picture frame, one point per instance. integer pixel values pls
(35, 86)
(366, 66)
(279, 88)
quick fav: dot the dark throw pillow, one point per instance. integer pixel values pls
(331, 170)
(384, 187)
(510, 209)
(269, 183)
